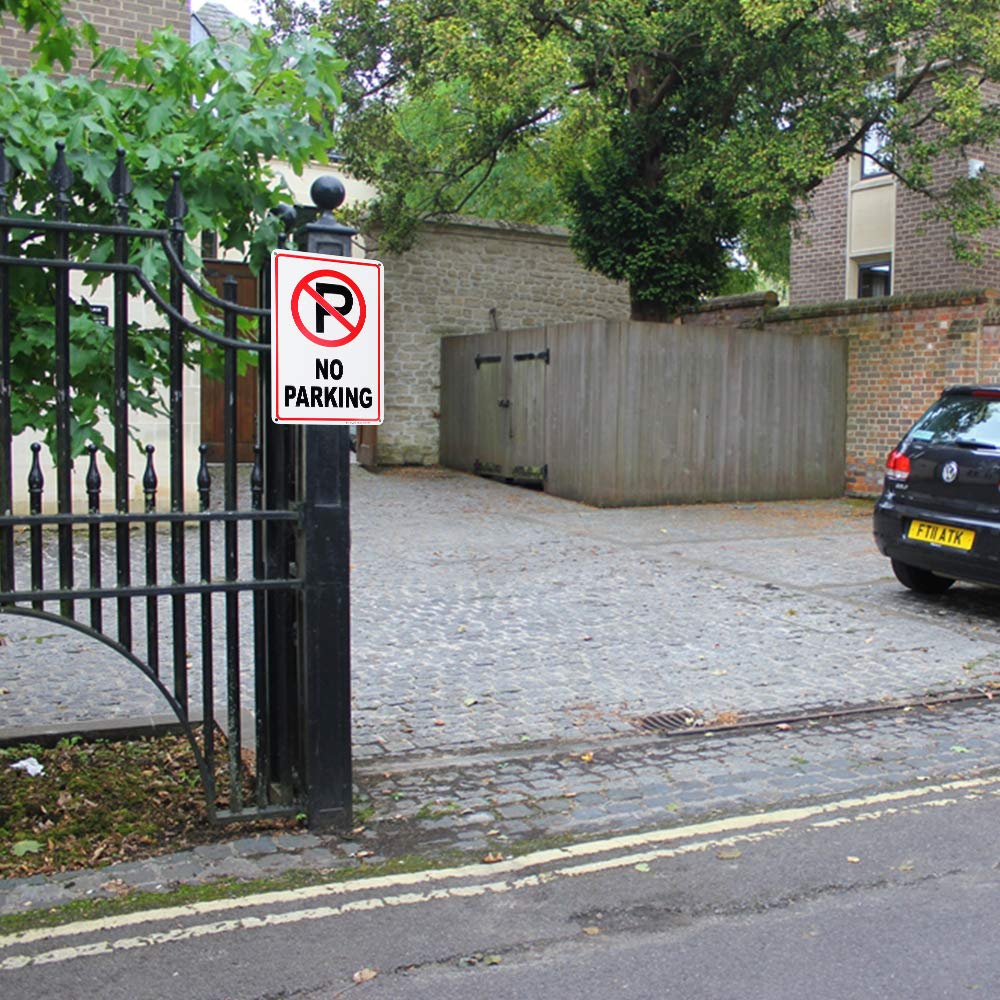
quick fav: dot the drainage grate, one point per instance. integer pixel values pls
(677, 721)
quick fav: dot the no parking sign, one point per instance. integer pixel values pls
(326, 339)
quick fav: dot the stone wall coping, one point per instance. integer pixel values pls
(469, 225)
(890, 303)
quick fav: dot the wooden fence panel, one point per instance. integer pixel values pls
(581, 425)
(641, 413)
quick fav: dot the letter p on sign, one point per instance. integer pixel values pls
(326, 339)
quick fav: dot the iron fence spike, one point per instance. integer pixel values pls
(60, 176)
(6, 170)
(176, 205)
(256, 479)
(204, 478)
(149, 480)
(120, 181)
(93, 480)
(36, 481)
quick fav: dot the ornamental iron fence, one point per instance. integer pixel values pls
(258, 574)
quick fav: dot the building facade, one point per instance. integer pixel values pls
(863, 234)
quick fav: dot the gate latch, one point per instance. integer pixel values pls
(503, 403)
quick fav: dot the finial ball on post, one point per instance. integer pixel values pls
(327, 192)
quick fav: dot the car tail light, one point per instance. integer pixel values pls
(897, 467)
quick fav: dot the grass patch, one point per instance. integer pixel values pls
(228, 888)
(105, 801)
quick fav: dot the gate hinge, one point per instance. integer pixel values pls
(529, 356)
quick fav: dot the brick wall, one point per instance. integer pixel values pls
(120, 23)
(923, 260)
(819, 243)
(902, 351)
(730, 310)
(447, 284)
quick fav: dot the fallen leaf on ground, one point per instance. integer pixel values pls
(642, 867)
(492, 858)
(23, 847)
(586, 757)
(957, 749)
(906, 866)
(117, 887)
(591, 930)
(439, 722)
(729, 854)
(492, 960)
(853, 860)
(364, 975)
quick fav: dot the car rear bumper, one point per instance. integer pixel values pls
(980, 564)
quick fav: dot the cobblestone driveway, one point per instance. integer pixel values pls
(484, 614)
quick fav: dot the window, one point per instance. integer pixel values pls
(874, 145)
(209, 244)
(875, 279)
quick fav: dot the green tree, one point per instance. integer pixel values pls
(219, 115)
(677, 133)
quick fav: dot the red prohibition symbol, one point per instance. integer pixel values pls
(327, 313)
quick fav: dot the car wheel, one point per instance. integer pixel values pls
(920, 580)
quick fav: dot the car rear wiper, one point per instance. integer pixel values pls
(961, 443)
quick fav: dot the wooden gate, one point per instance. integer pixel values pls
(496, 386)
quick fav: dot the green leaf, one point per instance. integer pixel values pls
(23, 847)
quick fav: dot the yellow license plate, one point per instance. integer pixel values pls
(941, 534)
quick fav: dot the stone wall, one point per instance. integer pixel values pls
(902, 351)
(119, 22)
(471, 277)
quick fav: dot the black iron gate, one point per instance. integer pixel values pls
(256, 576)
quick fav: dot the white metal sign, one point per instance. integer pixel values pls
(326, 339)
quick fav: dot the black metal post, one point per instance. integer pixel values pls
(325, 647)
(176, 211)
(324, 563)
(121, 187)
(277, 724)
(6, 432)
(61, 179)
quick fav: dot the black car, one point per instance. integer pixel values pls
(938, 518)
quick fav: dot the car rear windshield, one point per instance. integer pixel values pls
(961, 420)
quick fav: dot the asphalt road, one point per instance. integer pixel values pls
(892, 895)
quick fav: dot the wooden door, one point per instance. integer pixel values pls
(212, 396)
